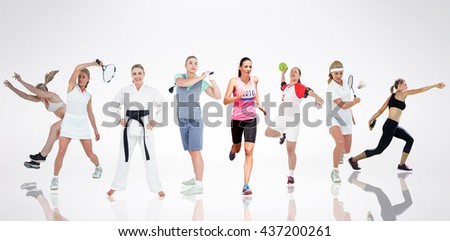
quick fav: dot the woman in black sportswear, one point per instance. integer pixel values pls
(396, 104)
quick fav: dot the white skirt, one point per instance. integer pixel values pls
(75, 127)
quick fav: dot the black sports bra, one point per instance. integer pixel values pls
(393, 102)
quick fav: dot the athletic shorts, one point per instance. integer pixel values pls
(191, 134)
(246, 127)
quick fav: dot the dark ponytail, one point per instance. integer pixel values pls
(396, 83)
(241, 63)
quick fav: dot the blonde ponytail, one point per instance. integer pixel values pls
(49, 76)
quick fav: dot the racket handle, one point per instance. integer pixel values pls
(97, 61)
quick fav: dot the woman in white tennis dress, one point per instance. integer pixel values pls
(75, 124)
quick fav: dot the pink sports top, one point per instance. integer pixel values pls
(244, 108)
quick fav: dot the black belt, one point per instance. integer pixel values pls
(135, 115)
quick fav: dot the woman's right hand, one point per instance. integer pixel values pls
(7, 84)
(357, 100)
(440, 85)
(17, 76)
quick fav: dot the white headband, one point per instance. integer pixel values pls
(336, 70)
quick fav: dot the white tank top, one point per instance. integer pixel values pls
(77, 101)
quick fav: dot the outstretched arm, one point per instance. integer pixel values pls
(213, 90)
(319, 100)
(76, 72)
(21, 94)
(32, 89)
(423, 89)
(92, 119)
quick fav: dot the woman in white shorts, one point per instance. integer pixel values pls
(340, 118)
(289, 119)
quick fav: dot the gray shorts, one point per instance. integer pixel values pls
(191, 134)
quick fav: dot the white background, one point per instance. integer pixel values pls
(376, 41)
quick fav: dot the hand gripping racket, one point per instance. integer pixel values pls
(109, 71)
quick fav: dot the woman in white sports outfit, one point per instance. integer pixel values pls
(75, 124)
(340, 124)
(138, 128)
(289, 121)
(52, 102)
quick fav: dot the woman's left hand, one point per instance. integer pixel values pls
(151, 124)
(97, 136)
(319, 101)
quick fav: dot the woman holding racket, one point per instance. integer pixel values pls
(293, 93)
(190, 120)
(138, 128)
(242, 91)
(340, 121)
(75, 124)
(52, 102)
(396, 104)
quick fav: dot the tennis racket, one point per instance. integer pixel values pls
(350, 84)
(109, 71)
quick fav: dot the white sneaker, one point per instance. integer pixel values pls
(193, 190)
(54, 199)
(189, 182)
(335, 176)
(98, 172)
(335, 189)
(54, 184)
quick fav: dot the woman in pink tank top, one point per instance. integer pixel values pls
(243, 93)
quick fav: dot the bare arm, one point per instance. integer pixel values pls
(34, 90)
(182, 82)
(319, 100)
(229, 98)
(213, 90)
(258, 103)
(380, 111)
(423, 89)
(21, 94)
(92, 119)
(76, 72)
(346, 104)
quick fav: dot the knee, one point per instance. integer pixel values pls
(291, 151)
(249, 151)
(340, 143)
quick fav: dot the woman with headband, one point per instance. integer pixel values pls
(340, 125)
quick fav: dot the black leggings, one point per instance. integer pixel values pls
(391, 130)
(246, 127)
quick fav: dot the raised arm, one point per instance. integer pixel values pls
(92, 119)
(182, 82)
(34, 90)
(423, 89)
(258, 103)
(76, 72)
(21, 94)
(213, 90)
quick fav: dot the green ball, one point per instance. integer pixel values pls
(282, 66)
